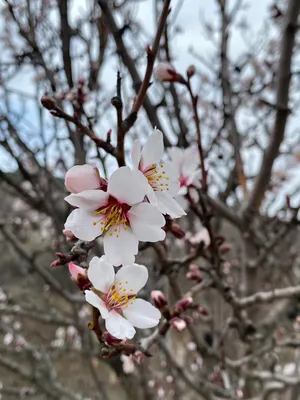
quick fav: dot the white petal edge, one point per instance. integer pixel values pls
(101, 273)
(90, 200)
(136, 154)
(132, 278)
(153, 149)
(167, 205)
(80, 223)
(95, 301)
(146, 222)
(122, 249)
(127, 186)
(142, 314)
(118, 326)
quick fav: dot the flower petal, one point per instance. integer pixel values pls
(88, 199)
(119, 327)
(128, 186)
(142, 314)
(81, 223)
(151, 196)
(95, 301)
(82, 177)
(136, 153)
(132, 278)
(167, 205)
(153, 149)
(122, 249)
(101, 273)
(146, 222)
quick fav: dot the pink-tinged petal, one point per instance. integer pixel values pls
(75, 270)
(119, 327)
(95, 301)
(167, 205)
(127, 186)
(81, 223)
(142, 314)
(88, 199)
(82, 177)
(132, 278)
(136, 154)
(122, 249)
(101, 273)
(146, 222)
(153, 149)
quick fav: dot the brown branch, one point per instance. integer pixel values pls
(282, 110)
(130, 65)
(228, 109)
(58, 112)
(65, 34)
(267, 297)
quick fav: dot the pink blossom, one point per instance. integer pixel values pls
(115, 297)
(162, 177)
(118, 215)
(82, 177)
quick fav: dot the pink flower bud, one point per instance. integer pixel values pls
(165, 72)
(203, 311)
(179, 324)
(75, 271)
(191, 71)
(194, 273)
(183, 304)
(159, 300)
(82, 177)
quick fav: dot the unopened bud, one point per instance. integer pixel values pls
(191, 71)
(48, 102)
(177, 231)
(79, 275)
(225, 248)
(160, 301)
(194, 273)
(179, 324)
(203, 311)
(166, 73)
(183, 304)
(75, 271)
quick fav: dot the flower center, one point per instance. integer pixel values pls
(113, 217)
(157, 177)
(119, 296)
(183, 180)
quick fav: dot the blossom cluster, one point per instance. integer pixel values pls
(128, 207)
